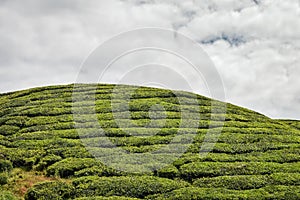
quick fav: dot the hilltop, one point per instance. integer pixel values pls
(43, 156)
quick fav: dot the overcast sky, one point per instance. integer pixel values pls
(254, 44)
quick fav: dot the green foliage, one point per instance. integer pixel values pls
(24, 157)
(169, 172)
(98, 170)
(195, 193)
(211, 169)
(6, 195)
(131, 186)
(5, 166)
(106, 198)
(238, 182)
(8, 130)
(69, 166)
(3, 179)
(255, 157)
(50, 190)
(47, 161)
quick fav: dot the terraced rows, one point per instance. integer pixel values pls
(254, 157)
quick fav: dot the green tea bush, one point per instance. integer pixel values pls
(47, 161)
(8, 130)
(283, 192)
(269, 192)
(285, 179)
(170, 172)
(130, 186)
(195, 193)
(242, 148)
(98, 171)
(73, 152)
(106, 198)
(211, 169)
(47, 143)
(238, 182)
(50, 190)
(6, 195)
(49, 127)
(3, 179)
(245, 182)
(67, 167)
(25, 157)
(19, 121)
(141, 141)
(5, 166)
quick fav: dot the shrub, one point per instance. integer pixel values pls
(211, 169)
(18, 121)
(3, 179)
(169, 172)
(47, 161)
(5, 165)
(50, 190)
(106, 198)
(25, 157)
(98, 171)
(69, 166)
(194, 193)
(8, 130)
(6, 195)
(239, 182)
(285, 179)
(70, 152)
(130, 186)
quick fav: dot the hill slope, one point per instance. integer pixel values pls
(42, 155)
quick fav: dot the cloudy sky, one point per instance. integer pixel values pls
(254, 44)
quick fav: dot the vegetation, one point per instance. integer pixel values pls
(43, 155)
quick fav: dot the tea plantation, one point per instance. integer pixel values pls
(44, 134)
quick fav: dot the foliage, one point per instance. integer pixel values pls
(107, 198)
(6, 195)
(47, 161)
(212, 169)
(246, 182)
(50, 190)
(5, 166)
(69, 166)
(131, 186)
(254, 157)
(195, 193)
(3, 179)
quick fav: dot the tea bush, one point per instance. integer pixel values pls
(211, 169)
(69, 166)
(50, 190)
(195, 193)
(106, 198)
(3, 179)
(6, 195)
(130, 186)
(5, 166)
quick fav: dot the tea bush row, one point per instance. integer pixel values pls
(195, 193)
(130, 186)
(67, 167)
(211, 169)
(246, 182)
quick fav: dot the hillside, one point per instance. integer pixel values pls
(43, 156)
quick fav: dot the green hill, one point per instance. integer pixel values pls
(43, 156)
